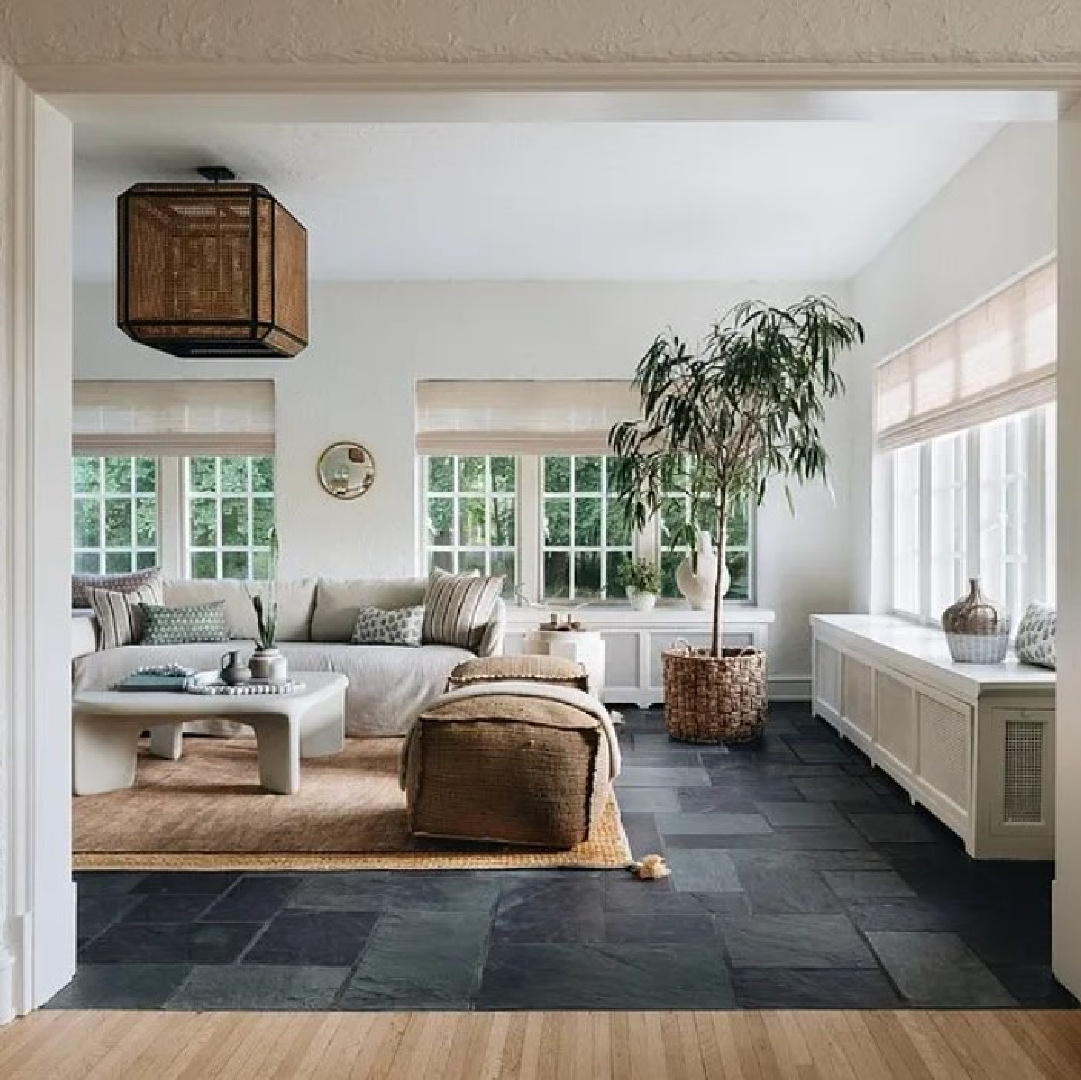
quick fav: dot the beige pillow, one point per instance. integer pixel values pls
(458, 608)
(548, 669)
(337, 603)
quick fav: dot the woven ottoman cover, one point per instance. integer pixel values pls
(506, 769)
(549, 669)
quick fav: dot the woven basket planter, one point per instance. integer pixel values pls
(710, 699)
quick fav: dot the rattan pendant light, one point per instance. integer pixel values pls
(211, 270)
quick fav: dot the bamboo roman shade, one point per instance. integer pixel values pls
(174, 419)
(995, 359)
(520, 416)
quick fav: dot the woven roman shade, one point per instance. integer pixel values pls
(168, 418)
(995, 359)
(520, 416)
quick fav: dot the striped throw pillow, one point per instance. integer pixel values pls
(458, 608)
(120, 616)
(184, 625)
(113, 582)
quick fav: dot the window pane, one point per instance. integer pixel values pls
(87, 531)
(906, 530)
(557, 522)
(503, 562)
(557, 574)
(234, 524)
(440, 474)
(118, 523)
(146, 559)
(587, 522)
(472, 560)
(146, 475)
(203, 517)
(472, 523)
(618, 532)
(587, 474)
(204, 564)
(203, 474)
(262, 521)
(587, 573)
(948, 532)
(739, 567)
(613, 561)
(86, 475)
(669, 561)
(87, 562)
(260, 565)
(118, 476)
(234, 475)
(440, 522)
(235, 564)
(117, 562)
(146, 522)
(557, 474)
(444, 560)
(262, 474)
(504, 474)
(503, 522)
(471, 474)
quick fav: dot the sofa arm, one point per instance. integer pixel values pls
(84, 633)
(492, 642)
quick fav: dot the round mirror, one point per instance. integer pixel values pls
(346, 470)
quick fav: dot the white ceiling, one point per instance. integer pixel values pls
(617, 200)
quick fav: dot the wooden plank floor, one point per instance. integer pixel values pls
(546, 1046)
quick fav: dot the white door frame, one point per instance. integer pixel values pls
(37, 898)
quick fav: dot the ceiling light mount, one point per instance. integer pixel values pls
(216, 174)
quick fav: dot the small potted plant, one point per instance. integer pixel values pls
(267, 663)
(642, 580)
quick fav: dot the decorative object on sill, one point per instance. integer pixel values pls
(233, 671)
(1035, 642)
(976, 631)
(211, 270)
(696, 575)
(267, 663)
(346, 470)
(650, 868)
(717, 422)
(569, 624)
(642, 581)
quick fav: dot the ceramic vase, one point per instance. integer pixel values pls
(977, 632)
(697, 584)
(268, 665)
(641, 601)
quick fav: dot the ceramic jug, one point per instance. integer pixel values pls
(233, 669)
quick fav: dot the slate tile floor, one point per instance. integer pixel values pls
(802, 879)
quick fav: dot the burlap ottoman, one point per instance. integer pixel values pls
(525, 765)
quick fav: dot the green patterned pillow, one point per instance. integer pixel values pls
(378, 626)
(182, 625)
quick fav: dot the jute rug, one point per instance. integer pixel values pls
(208, 812)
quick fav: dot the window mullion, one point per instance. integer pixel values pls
(173, 541)
(529, 525)
(926, 539)
(1035, 520)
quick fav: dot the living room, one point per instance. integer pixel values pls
(553, 270)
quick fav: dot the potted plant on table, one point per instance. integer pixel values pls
(722, 420)
(642, 581)
(267, 662)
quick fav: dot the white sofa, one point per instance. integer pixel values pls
(387, 683)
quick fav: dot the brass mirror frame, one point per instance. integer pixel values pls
(352, 448)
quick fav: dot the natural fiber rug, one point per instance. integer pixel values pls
(208, 812)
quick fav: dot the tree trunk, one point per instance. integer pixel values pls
(717, 647)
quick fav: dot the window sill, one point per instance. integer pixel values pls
(736, 613)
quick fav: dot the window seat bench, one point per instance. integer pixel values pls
(972, 743)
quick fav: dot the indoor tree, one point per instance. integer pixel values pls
(718, 422)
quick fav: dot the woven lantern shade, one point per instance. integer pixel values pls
(211, 270)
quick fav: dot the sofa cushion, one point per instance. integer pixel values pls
(120, 614)
(113, 582)
(179, 625)
(338, 602)
(295, 601)
(458, 608)
(399, 626)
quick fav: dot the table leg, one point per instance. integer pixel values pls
(322, 728)
(103, 754)
(278, 741)
(167, 741)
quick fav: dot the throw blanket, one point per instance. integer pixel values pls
(577, 699)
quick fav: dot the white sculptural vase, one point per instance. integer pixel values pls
(697, 585)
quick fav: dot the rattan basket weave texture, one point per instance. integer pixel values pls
(711, 699)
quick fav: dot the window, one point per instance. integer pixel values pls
(585, 535)
(979, 503)
(551, 524)
(196, 516)
(114, 514)
(230, 512)
(471, 514)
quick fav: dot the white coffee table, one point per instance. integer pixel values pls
(106, 725)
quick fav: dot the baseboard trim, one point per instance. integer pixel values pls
(790, 688)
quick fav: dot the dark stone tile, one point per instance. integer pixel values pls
(897, 828)
(866, 884)
(826, 859)
(176, 943)
(255, 899)
(938, 970)
(648, 800)
(313, 938)
(792, 988)
(819, 752)
(642, 834)
(714, 800)
(290, 988)
(658, 927)
(903, 913)
(800, 814)
(794, 941)
(623, 976)
(780, 839)
(169, 908)
(120, 986)
(699, 871)
(1033, 986)
(410, 890)
(831, 788)
(211, 883)
(1007, 940)
(100, 910)
(626, 894)
(540, 909)
(662, 776)
(106, 882)
(422, 960)
(712, 824)
(787, 891)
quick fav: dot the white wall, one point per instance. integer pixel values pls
(371, 342)
(995, 219)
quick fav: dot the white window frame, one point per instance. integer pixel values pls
(529, 547)
(1037, 576)
(174, 548)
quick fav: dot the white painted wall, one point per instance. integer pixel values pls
(995, 219)
(371, 342)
